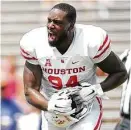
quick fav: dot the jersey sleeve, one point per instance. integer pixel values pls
(100, 45)
(27, 49)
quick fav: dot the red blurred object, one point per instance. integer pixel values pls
(9, 78)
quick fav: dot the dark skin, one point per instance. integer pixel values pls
(113, 66)
(58, 23)
(62, 29)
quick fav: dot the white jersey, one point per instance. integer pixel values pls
(90, 45)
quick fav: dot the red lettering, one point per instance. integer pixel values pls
(57, 81)
(48, 63)
(72, 82)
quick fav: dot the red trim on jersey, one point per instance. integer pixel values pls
(28, 58)
(103, 43)
(102, 51)
(97, 127)
(24, 51)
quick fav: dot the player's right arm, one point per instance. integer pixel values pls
(32, 74)
(32, 80)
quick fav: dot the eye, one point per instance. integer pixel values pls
(58, 22)
(49, 20)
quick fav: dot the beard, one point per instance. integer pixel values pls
(59, 41)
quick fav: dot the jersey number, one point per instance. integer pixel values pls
(57, 82)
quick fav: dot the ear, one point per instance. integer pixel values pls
(71, 27)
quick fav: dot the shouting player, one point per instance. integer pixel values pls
(59, 72)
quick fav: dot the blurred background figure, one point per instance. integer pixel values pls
(124, 123)
(10, 111)
(13, 81)
(15, 111)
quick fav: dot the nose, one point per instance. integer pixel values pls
(51, 25)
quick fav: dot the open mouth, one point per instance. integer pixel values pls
(51, 36)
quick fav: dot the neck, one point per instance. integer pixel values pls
(63, 47)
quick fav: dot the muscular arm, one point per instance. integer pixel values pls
(116, 70)
(32, 80)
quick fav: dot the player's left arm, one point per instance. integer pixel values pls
(101, 54)
(116, 70)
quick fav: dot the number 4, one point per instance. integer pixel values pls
(57, 82)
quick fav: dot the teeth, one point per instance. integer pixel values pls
(51, 33)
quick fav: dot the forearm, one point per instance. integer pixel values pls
(36, 99)
(114, 80)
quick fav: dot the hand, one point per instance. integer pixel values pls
(89, 92)
(61, 102)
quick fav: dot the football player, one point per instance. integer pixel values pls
(124, 123)
(59, 72)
